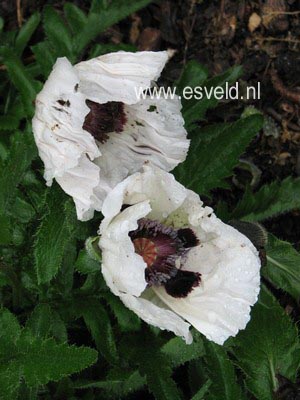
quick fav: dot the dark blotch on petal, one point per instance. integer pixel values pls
(64, 103)
(104, 118)
(182, 283)
(188, 237)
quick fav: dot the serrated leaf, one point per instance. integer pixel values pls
(44, 56)
(21, 78)
(98, 323)
(283, 266)
(194, 74)
(26, 32)
(127, 320)
(153, 364)
(57, 33)
(221, 373)
(10, 373)
(203, 391)
(37, 360)
(76, 18)
(269, 346)
(86, 264)
(195, 109)
(22, 210)
(214, 152)
(269, 201)
(102, 17)
(9, 331)
(179, 353)
(55, 232)
(5, 230)
(45, 322)
(22, 152)
(44, 360)
(117, 385)
(10, 379)
(159, 379)
(8, 122)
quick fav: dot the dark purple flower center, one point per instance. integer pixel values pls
(104, 119)
(163, 249)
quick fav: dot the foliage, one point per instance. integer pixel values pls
(58, 321)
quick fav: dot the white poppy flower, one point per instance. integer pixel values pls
(92, 130)
(173, 262)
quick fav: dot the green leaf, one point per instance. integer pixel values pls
(214, 152)
(102, 17)
(103, 48)
(22, 152)
(10, 374)
(57, 33)
(269, 346)
(44, 360)
(37, 360)
(283, 266)
(127, 319)
(153, 364)
(8, 122)
(20, 78)
(10, 379)
(22, 210)
(55, 232)
(195, 109)
(194, 74)
(271, 200)
(26, 33)
(85, 264)
(45, 322)
(203, 391)
(9, 331)
(158, 375)
(221, 373)
(5, 230)
(179, 353)
(76, 18)
(44, 56)
(98, 323)
(117, 385)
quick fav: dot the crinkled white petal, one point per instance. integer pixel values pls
(155, 313)
(119, 76)
(122, 268)
(58, 128)
(80, 183)
(153, 184)
(86, 169)
(154, 133)
(230, 280)
(65, 148)
(228, 262)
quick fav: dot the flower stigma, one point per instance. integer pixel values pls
(163, 249)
